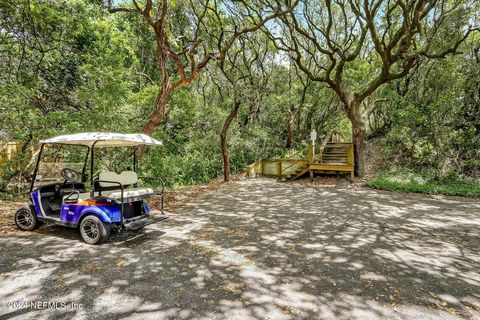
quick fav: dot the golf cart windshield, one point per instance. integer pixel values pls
(54, 159)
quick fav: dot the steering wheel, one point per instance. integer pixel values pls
(70, 175)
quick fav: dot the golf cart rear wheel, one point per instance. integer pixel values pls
(93, 230)
(26, 219)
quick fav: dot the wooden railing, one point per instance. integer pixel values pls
(7, 152)
(255, 169)
(350, 156)
(270, 167)
(291, 157)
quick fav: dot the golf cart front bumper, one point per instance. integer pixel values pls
(135, 223)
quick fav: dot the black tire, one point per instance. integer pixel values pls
(26, 219)
(39, 223)
(93, 230)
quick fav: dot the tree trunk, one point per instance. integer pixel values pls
(223, 140)
(359, 134)
(158, 114)
(166, 89)
(156, 117)
(358, 137)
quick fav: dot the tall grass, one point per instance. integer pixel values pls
(421, 181)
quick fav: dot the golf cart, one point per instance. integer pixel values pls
(113, 202)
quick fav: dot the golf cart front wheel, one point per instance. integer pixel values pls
(93, 230)
(26, 219)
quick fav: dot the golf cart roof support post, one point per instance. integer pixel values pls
(84, 169)
(135, 150)
(35, 171)
(92, 153)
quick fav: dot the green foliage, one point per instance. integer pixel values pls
(421, 181)
(70, 66)
(432, 118)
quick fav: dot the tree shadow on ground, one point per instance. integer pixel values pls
(260, 249)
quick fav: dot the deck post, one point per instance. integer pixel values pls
(351, 161)
(311, 159)
(279, 169)
(310, 154)
(350, 158)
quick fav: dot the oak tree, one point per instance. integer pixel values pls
(356, 46)
(210, 30)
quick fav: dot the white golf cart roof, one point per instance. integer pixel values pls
(104, 139)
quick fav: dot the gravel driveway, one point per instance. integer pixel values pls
(258, 249)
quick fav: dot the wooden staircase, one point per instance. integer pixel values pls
(335, 153)
(299, 171)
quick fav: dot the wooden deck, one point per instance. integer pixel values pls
(335, 156)
(289, 169)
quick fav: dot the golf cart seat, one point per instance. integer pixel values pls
(109, 187)
(117, 195)
(130, 193)
(110, 182)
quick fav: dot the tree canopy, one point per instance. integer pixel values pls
(224, 83)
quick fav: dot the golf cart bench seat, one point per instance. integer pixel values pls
(117, 195)
(129, 193)
(111, 182)
(109, 187)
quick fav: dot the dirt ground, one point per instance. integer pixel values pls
(174, 199)
(260, 249)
